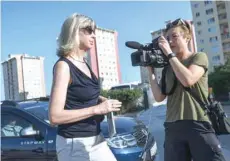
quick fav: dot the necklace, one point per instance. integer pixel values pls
(76, 59)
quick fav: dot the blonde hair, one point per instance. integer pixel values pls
(187, 32)
(68, 39)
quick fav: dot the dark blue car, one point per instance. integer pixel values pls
(27, 135)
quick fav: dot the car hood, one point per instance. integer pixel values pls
(123, 125)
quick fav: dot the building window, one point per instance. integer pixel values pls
(215, 49)
(213, 39)
(202, 41)
(197, 14)
(199, 32)
(207, 2)
(216, 59)
(196, 5)
(211, 20)
(198, 23)
(209, 11)
(212, 29)
(202, 49)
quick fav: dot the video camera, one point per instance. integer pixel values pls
(147, 55)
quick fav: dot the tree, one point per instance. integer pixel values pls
(219, 80)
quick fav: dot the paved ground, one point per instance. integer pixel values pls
(154, 118)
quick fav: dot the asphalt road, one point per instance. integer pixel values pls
(154, 119)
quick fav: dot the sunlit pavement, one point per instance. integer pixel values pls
(154, 119)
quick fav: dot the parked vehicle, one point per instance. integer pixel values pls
(124, 86)
(27, 134)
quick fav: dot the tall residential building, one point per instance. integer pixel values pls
(212, 26)
(23, 77)
(104, 58)
(158, 71)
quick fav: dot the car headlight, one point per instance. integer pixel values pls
(153, 149)
(122, 141)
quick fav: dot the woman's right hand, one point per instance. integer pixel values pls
(107, 106)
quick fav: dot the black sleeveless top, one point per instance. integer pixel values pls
(81, 93)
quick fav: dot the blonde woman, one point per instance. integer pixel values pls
(75, 104)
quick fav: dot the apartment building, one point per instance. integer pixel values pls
(104, 59)
(212, 22)
(23, 77)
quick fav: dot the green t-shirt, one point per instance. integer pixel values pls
(181, 105)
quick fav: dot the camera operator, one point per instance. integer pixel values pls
(188, 131)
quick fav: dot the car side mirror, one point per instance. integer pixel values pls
(29, 131)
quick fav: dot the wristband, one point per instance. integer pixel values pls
(171, 55)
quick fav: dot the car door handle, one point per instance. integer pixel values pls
(38, 150)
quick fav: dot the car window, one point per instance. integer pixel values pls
(12, 125)
(121, 87)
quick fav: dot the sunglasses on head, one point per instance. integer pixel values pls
(177, 22)
(89, 29)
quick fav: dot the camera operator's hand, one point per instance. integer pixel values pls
(164, 45)
(150, 69)
(151, 72)
(107, 106)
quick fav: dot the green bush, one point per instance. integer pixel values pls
(129, 98)
(219, 81)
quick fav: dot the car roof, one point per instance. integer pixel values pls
(31, 103)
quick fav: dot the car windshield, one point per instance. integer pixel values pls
(40, 110)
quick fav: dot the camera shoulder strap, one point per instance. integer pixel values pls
(163, 82)
(203, 105)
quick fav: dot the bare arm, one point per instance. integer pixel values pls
(159, 97)
(187, 76)
(57, 113)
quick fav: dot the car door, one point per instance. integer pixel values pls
(17, 146)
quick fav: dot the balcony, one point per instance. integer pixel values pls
(226, 55)
(222, 11)
(226, 49)
(225, 38)
(222, 18)
(221, 8)
(223, 21)
(219, 2)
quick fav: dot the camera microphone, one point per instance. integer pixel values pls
(133, 45)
